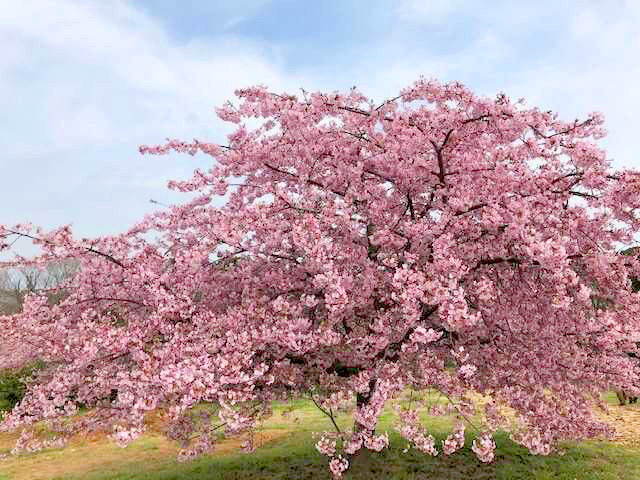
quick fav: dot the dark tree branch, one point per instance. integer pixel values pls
(88, 249)
(393, 348)
(410, 207)
(470, 209)
(328, 414)
(311, 182)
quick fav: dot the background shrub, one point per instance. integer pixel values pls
(13, 383)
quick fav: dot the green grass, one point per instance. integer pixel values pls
(295, 458)
(292, 456)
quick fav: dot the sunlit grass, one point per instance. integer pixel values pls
(288, 452)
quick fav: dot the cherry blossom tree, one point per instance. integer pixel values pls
(437, 240)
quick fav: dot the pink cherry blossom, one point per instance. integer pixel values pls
(338, 465)
(377, 442)
(347, 248)
(326, 446)
(484, 447)
(455, 441)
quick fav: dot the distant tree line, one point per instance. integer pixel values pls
(17, 283)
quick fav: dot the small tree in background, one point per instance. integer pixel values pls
(372, 246)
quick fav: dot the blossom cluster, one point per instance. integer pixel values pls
(455, 440)
(123, 436)
(338, 465)
(411, 430)
(326, 445)
(484, 447)
(534, 440)
(376, 442)
(203, 444)
(28, 442)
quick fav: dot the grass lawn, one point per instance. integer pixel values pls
(287, 452)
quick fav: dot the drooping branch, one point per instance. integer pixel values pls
(88, 249)
(328, 413)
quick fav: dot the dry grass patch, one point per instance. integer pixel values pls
(95, 454)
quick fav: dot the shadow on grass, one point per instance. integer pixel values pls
(295, 458)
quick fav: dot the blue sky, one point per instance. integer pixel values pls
(83, 83)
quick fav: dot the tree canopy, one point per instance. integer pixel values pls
(437, 240)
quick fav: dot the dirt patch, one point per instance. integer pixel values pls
(7, 441)
(626, 421)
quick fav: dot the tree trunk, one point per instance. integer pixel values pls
(362, 400)
(361, 460)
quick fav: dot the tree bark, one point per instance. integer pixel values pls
(361, 460)
(362, 400)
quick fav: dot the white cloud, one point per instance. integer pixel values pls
(597, 73)
(88, 83)
(92, 62)
(431, 11)
(585, 24)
